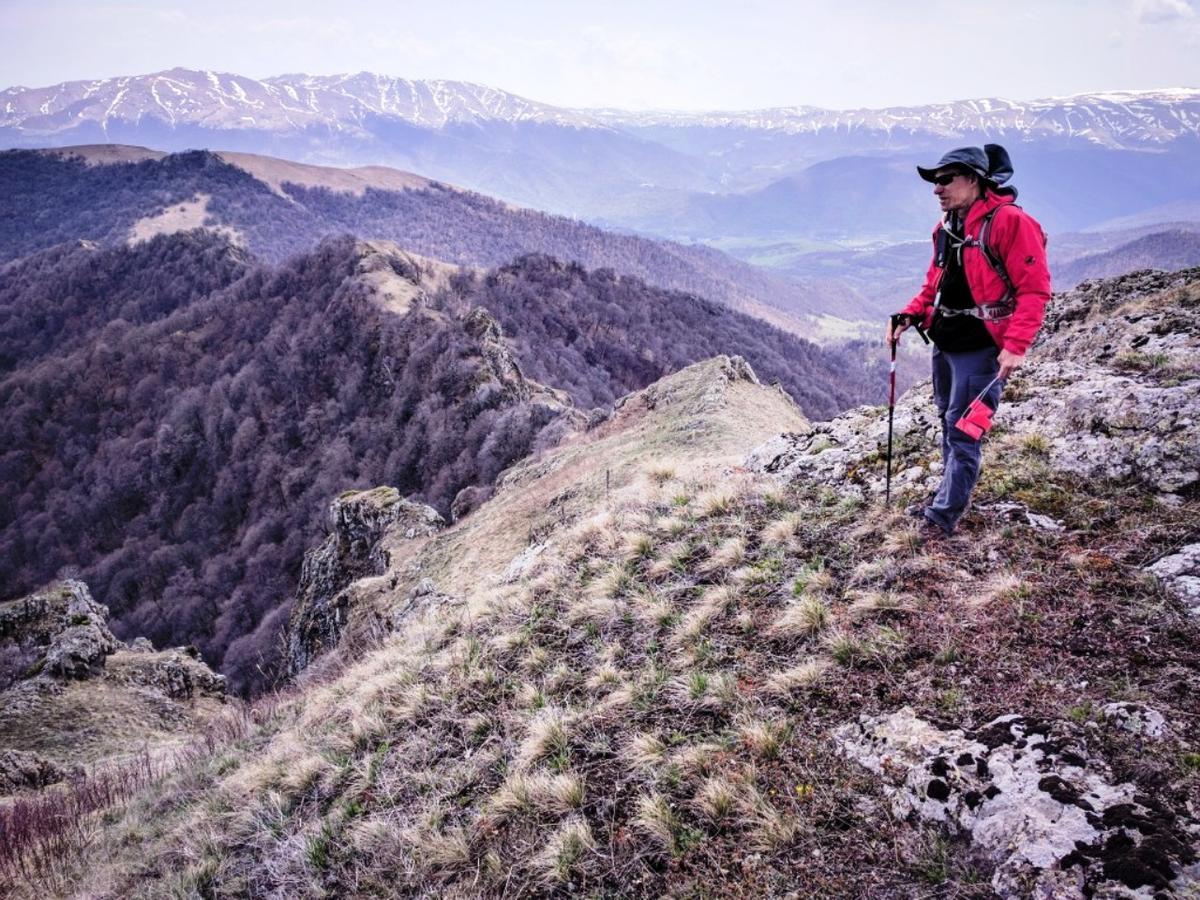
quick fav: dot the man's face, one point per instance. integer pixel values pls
(960, 193)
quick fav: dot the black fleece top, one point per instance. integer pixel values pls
(957, 334)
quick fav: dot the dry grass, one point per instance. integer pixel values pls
(547, 734)
(716, 799)
(728, 555)
(801, 677)
(672, 738)
(568, 853)
(700, 617)
(801, 618)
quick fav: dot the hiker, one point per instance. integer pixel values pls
(983, 302)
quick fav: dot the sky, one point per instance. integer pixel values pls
(632, 54)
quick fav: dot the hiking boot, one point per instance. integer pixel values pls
(931, 531)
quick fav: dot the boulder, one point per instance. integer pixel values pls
(173, 673)
(1136, 718)
(1032, 802)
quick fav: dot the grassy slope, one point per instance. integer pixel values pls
(647, 710)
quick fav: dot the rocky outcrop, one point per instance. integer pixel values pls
(177, 673)
(1180, 575)
(358, 519)
(1029, 798)
(73, 694)
(20, 771)
(60, 631)
(64, 630)
(1136, 718)
(1110, 389)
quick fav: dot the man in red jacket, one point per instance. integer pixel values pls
(983, 302)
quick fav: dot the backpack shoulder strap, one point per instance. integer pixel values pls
(990, 254)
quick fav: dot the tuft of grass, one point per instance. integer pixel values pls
(844, 647)
(769, 829)
(716, 799)
(555, 794)
(656, 819)
(886, 646)
(317, 850)
(798, 678)
(1081, 712)
(660, 475)
(547, 735)
(729, 555)
(604, 677)
(714, 503)
(639, 546)
(710, 606)
(1035, 444)
(781, 531)
(700, 689)
(511, 799)
(645, 751)
(869, 603)
(906, 539)
(444, 855)
(567, 852)
(764, 739)
(802, 618)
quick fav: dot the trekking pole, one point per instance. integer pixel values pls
(897, 319)
(887, 495)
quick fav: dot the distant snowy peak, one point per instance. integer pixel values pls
(1113, 118)
(354, 103)
(225, 101)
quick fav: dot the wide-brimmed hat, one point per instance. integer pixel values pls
(990, 162)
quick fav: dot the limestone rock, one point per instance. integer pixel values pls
(20, 771)
(1180, 574)
(421, 598)
(358, 519)
(1136, 718)
(61, 630)
(174, 673)
(1031, 801)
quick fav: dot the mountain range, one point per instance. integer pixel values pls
(705, 175)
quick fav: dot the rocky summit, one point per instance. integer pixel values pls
(688, 651)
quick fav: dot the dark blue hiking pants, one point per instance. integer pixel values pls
(957, 380)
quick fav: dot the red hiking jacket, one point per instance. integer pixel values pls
(1017, 238)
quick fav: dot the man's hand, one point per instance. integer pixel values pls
(897, 325)
(1009, 363)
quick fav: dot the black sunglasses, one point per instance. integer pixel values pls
(944, 180)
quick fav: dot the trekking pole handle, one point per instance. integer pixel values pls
(906, 319)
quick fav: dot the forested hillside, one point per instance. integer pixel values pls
(49, 198)
(180, 463)
(178, 416)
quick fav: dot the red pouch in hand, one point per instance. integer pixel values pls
(977, 419)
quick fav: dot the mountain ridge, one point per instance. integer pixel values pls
(1117, 118)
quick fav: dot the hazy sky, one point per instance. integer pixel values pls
(632, 53)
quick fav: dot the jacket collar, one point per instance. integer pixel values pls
(981, 207)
